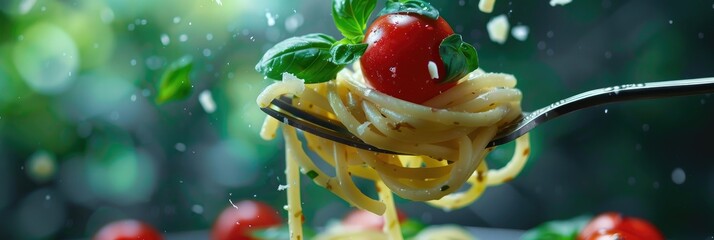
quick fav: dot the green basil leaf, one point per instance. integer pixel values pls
(346, 53)
(175, 83)
(410, 228)
(351, 17)
(459, 57)
(280, 233)
(411, 6)
(307, 57)
(558, 230)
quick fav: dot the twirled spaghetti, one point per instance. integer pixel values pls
(446, 139)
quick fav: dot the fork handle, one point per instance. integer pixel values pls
(627, 92)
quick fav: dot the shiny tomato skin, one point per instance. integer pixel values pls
(236, 223)
(630, 228)
(400, 47)
(610, 234)
(127, 230)
(641, 228)
(365, 220)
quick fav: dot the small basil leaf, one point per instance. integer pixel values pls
(343, 54)
(307, 57)
(411, 6)
(175, 83)
(459, 57)
(351, 17)
(558, 230)
(410, 228)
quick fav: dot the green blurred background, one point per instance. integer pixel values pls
(83, 143)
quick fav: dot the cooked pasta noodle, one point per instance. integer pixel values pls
(444, 141)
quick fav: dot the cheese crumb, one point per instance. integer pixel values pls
(206, 100)
(498, 29)
(433, 70)
(520, 32)
(559, 2)
(486, 5)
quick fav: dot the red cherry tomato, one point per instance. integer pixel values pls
(363, 220)
(629, 228)
(400, 48)
(236, 223)
(127, 230)
(611, 234)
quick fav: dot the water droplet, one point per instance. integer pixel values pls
(670, 21)
(605, 110)
(701, 35)
(678, 176)
(271, 19)
(550, 34)
(133, 97)
(165, 40)
(608, 54)
(48, 197)
(645, 127)
(209, 37)
(177, 19)
(293, 22)
(181, 147)
(107, 15)
(183, 37)
(631, 181)
(133, 62)
(206, 52)
(26, 6)
(130, 27)
(197, 209)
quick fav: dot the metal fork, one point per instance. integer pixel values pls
(282, 109)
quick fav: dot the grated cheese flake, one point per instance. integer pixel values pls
(498, 29)
(520, 32)
(554, 3)
(433, 70)
(486, 5)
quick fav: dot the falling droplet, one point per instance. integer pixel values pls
(678, 176)
(165, 40)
